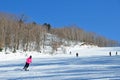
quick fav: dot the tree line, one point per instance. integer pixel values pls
(16, 33)
(74, 33)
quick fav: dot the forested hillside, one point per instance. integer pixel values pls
(17, 33)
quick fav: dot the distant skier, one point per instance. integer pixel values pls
(116, 53)
(76, 54)
(70, 52)
(110, 53)
(28, 61)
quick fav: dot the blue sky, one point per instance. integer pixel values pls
(99, 16)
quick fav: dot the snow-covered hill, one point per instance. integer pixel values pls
(93, 63)
(63, 68)
(83, 51)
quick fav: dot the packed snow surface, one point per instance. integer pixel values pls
(91, 64)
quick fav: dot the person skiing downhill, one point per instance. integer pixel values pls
(28, 61)
(76, 54)
(110, 53)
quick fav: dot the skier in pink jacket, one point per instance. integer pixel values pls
(28, 61)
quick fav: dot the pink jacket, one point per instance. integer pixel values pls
(29, 60)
